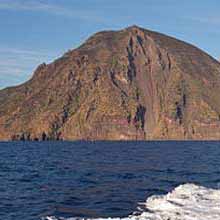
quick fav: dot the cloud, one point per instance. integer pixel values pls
(31, 5)
(16, 65)
(49, 8)
(210, 20)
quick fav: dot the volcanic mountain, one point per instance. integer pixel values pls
(132, 84)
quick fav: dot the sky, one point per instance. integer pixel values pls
(37, 31)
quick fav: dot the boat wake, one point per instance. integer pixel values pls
(186, 202)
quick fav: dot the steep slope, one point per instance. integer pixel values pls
(119, 85)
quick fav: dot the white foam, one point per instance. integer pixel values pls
(186, 202)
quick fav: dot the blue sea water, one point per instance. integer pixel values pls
(97, 179)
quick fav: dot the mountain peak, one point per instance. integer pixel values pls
(134, 27)
(131, 84)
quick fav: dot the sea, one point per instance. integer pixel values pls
(166, 180)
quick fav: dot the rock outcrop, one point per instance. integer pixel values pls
(132, 84)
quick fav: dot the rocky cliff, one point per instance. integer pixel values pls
(132, 84)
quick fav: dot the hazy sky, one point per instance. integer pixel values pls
(36, 31)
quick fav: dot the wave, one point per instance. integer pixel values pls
(186, 202)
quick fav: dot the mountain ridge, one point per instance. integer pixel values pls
(132, 84)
